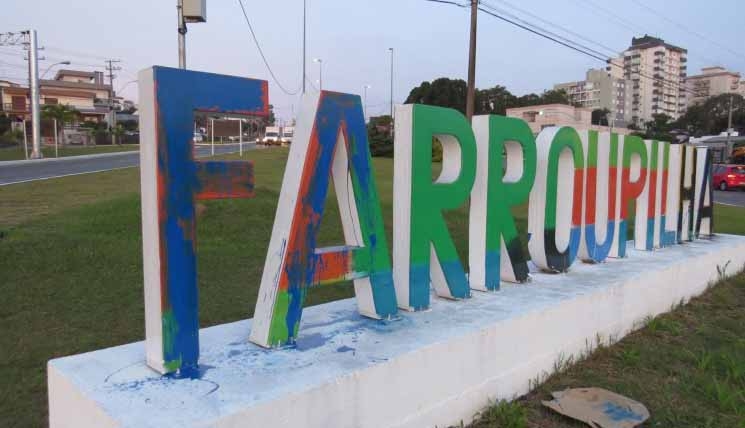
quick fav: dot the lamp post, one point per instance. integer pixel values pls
(320, 72)
(391, 51)
(50, 67)
(364, 101)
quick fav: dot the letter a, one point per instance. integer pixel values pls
(330, 140)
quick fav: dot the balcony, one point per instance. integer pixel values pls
(16, 108)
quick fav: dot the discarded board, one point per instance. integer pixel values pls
(598, 408)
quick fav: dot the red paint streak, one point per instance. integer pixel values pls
(162, 213)
(591, 195)
(612, 189)
(579, 182)
(304, 218)
(234, 180)
(630, 190)
(332, 266)
(652, 196)
(663, 199)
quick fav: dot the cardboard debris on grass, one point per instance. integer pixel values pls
(598, 408)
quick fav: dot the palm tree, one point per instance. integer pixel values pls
(64, 114)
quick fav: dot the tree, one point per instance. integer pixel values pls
(451, 93)
(494, 100)
(712, 116)
(441, 92)
(554, 96)
(63, 114)
(600, 116)
(379, 135)
(659, 127)
(271, 119)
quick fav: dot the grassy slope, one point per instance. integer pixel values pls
(70, 257)
(687, 366)
(16, 153)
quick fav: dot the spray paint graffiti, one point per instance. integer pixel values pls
(171, 183)
(555, 216)
(331, 142)
(424, 250)
(579, 187)
(601, 196)
(495, 249)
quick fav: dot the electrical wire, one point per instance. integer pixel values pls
(261, 52)
(688, 30)
(557, 26)
(541, 32)
(558, 36)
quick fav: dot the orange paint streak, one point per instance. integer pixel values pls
(630, 190)
(579, 181)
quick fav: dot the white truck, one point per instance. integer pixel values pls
(271, 135)
(287, 133)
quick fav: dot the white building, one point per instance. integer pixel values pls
(601, 89)
(657, 72)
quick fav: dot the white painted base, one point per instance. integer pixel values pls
(427, 369)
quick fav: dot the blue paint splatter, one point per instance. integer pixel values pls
(345, 349)
(311, 341)
(618, 413)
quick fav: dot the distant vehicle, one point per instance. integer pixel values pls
(271, 135)
(729, 177)
(198, 137)
(287, 133)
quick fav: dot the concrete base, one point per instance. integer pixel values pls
(427, 369)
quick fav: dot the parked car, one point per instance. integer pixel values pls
(729, 177)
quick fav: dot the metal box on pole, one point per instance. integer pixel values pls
(195, 10)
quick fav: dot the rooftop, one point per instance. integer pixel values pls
(648, 41)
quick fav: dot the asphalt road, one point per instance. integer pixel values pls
(19, 172)
(730, 197)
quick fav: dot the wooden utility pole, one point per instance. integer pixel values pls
(470, 97)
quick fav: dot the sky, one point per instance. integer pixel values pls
(352, 37)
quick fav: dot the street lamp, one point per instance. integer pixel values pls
(50, 67)
(364, 101)
(320, 72)
(392, 124)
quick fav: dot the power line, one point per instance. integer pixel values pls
(688, 30)
(558, 36)
(557, 26)
(612, 15)
(75, 53)
(537, 30)
(261, 52)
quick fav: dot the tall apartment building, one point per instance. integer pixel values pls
(600, 90)
(657, 73)
(712, 81)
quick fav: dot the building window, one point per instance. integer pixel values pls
(51, 101)
(18, 103)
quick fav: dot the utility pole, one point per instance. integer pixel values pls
(111, 68)
(28, 40)
(729, 129)
(391, 127)
(181, 34)
(470, 97)
(33, 58)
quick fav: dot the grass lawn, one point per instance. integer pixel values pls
(16, 153)
(71, 263)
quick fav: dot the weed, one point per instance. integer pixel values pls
(504, 414)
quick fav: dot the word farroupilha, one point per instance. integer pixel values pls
(578, 186)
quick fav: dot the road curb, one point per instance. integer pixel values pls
(66, 158)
